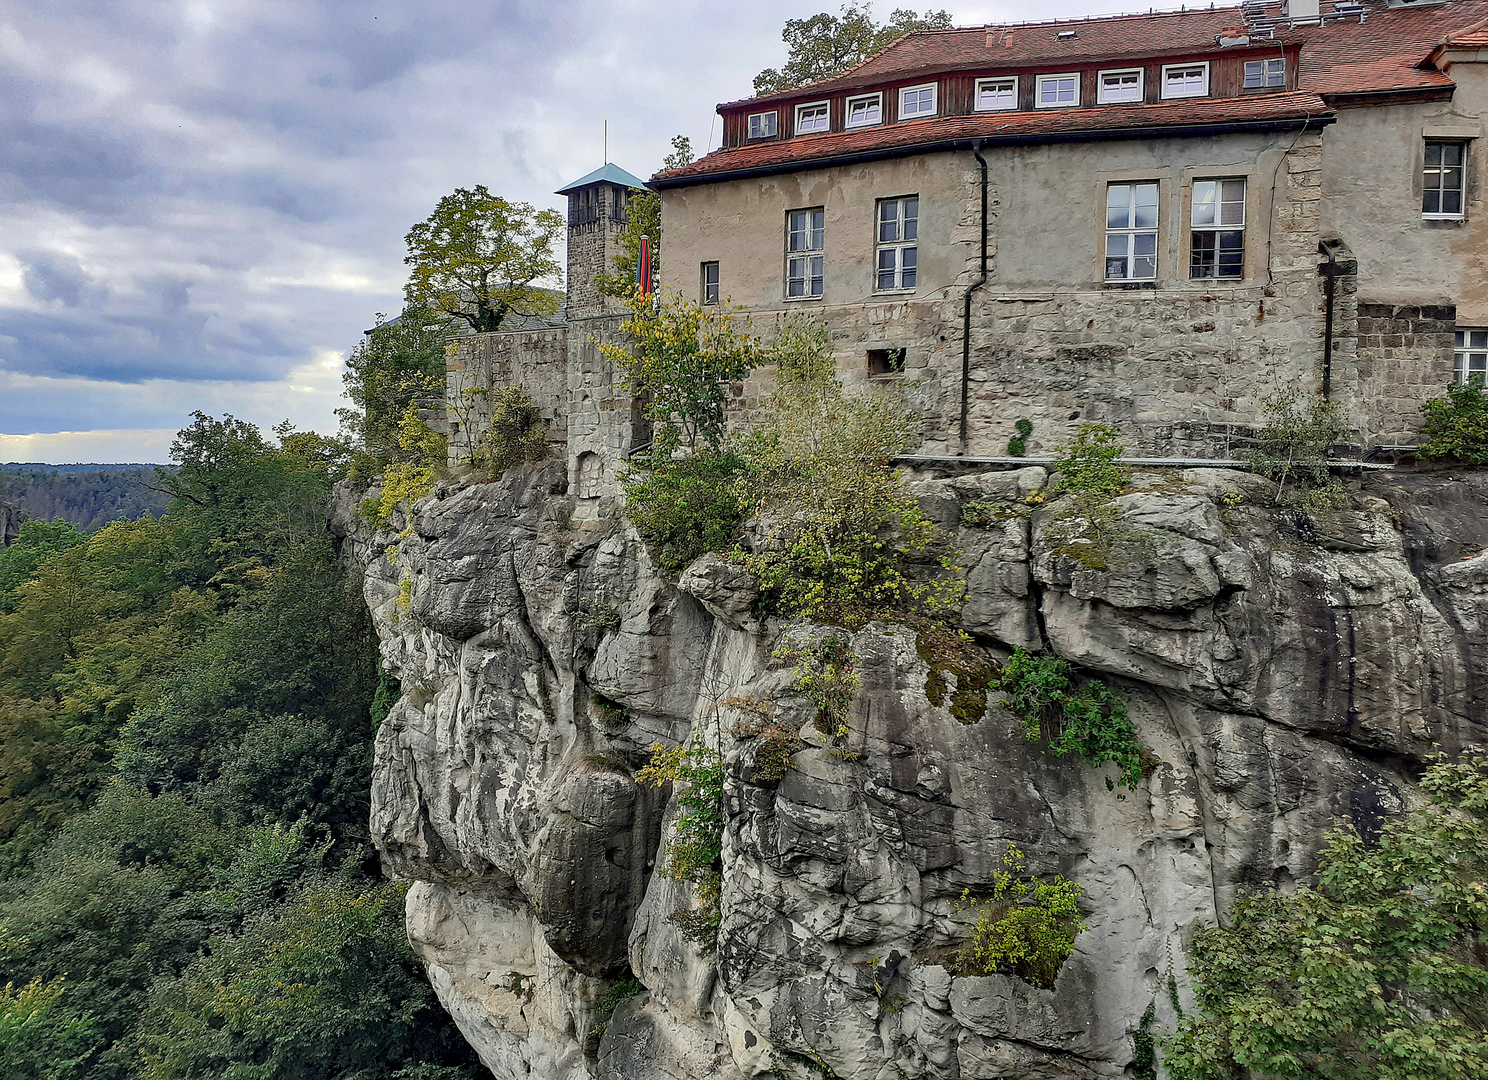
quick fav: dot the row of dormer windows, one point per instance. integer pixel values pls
(1059, 90)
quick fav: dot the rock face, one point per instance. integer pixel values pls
(1288, 672)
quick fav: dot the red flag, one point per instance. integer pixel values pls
(643, 266)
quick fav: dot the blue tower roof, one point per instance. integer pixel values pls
(608, 173)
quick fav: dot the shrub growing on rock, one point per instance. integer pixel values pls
(1023, 927)
(1086, 525)
(1456, 426)
(695, 850)
(1292, 449)
(1085, 718)
(686, 507)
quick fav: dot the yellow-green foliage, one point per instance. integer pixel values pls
(517, 431)
(680, 358)
(1292, 449)
(407, 481)
(696, 848)
(1024, 927)
(1086, 526)
(826, 676)
(822, 468)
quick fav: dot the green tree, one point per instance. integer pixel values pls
(477, 256)
(37, 542)
(40, 1039)
(398, 364)
(1378, 973)
(681, 358)
(323, 986)
(825, 45)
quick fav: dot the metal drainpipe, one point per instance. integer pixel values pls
(976, 150)
(1328, 274)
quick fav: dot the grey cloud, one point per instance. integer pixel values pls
(50, 276)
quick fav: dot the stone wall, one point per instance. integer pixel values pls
(535, 360)
(605, 424)
(1404, 356)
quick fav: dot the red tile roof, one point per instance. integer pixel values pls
(1388, 51)
(1193, 114)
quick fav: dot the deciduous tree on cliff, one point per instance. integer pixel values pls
(477, 257)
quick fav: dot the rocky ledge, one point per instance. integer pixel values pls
(1288, 672)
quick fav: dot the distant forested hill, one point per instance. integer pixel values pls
(88, 496)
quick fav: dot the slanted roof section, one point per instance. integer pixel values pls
(608, 173)
(1375, 52)
(1185, 116)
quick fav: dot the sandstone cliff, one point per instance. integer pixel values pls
(1287, 672)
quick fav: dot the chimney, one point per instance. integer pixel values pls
(996, 37)
(1303, 10)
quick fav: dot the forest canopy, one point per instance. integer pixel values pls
(187, 885)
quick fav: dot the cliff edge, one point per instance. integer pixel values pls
(1288, 672)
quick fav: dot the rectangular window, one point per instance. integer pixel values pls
(885, 363)
(1265, 73)
(865, 111)
(917, 101)
(710, 282)
(814, 117)
(898, 239)
(1218, 238)
(1470, 357)
(1441, 195)
(762, 125)
(1131, 232)
(1057, 91)
(1118, 87)
(993, 95)
(1185, 80)
(805, 246)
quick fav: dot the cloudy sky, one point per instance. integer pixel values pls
(202, 202)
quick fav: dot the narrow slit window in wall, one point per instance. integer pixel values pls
(885, 363)
(710, 282)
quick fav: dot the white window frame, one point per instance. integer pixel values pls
(1461, 189)
(934, 89)
(899, 244)
(716, 283)
(813, 106)
(1100, 86)
(1038, 91)
(1469, 359)
(1265, 64)
(1217, 226)
(773, 114)
(1203, 91)
(1131, 230)
(847, 113)
(806, 255)
(977, 105)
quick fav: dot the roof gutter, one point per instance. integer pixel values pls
(1291, 123)
(1390, 97)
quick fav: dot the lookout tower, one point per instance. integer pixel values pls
(597, 206)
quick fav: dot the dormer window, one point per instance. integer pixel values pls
(916, 101)
(993, 95)
(762, 125)
(1265, 73)
(1119, 87)
(1185, 80)
(865, 111)
(813, 117)
(1057, 91)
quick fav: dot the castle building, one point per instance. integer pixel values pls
(1153, 221)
